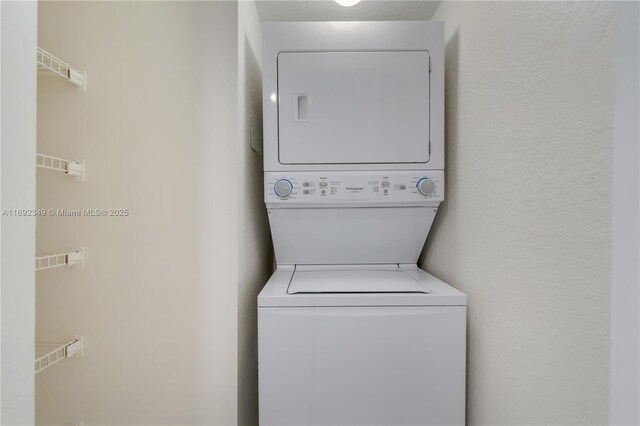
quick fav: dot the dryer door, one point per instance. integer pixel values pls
(353, 107)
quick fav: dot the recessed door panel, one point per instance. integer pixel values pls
(353, 107)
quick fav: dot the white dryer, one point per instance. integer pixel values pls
(351, 331)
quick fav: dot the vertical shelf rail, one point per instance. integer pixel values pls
(49, 261)
(50, 353)
(69, 167)
(48, 62)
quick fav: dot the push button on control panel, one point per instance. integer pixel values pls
(283, 188)
(425, 186)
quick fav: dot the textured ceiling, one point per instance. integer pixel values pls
(329, 10)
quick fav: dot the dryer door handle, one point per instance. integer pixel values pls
(302, 107)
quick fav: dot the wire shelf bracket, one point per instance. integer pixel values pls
(48, 62)
(69, 167)
(50, 353)
(72, 258)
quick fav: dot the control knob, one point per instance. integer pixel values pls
(283, 188)
(425, 186)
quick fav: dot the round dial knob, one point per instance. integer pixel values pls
(425, 186)
(283, 188)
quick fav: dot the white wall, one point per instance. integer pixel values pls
(625, 291)
(18, 192)
(254, 250)
(525, 229)
(157, 299)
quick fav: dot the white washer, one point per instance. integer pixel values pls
(361, 345)
(351, 331)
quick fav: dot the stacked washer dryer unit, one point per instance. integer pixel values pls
(351, 331)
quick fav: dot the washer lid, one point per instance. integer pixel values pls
(356, 279)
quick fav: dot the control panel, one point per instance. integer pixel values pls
(358, 187)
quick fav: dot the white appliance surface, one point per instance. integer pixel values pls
(350, 330)
(353, 107)
(276, 292)
(352, 217)
(365, 189)
(361, 359)
(349, 235)
(353, 96)
(350, 279)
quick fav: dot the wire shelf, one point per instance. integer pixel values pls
(72, 258)
(50, 353)
(48, 62)
(69, 167)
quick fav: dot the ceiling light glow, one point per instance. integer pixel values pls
(347, 3)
